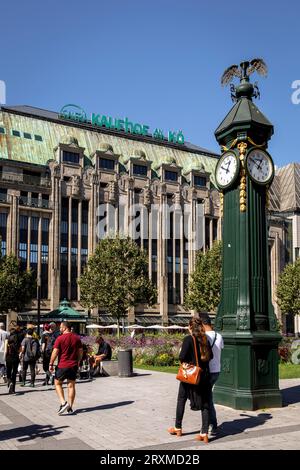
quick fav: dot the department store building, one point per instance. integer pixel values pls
(66, 181)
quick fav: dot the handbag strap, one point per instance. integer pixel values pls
(196, 353)
(213, 343)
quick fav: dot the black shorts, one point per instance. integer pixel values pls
(69, 373)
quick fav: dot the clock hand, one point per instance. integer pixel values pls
(254, 161)
(260, 162)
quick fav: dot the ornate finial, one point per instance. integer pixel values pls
(245, 88)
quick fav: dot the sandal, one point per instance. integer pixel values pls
(175, 432)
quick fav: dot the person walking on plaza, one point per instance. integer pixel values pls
(197, 394)
(48, 339)
(68, 349)
(217, 344)
(30, 349)
(3, 337)
(12, 358)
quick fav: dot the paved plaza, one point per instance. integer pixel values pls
(134, 413)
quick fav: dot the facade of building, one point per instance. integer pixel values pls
(64, 183)
(284, 234)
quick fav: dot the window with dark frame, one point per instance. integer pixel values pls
(16, 133)
(71, 157)
(171, 175)
(26, 135)
(139, 170)
(199, 181)
(106, 164)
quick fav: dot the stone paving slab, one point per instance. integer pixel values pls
(134, 413)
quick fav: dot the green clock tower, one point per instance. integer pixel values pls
(245, 317)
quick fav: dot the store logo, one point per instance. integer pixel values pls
(74, 112)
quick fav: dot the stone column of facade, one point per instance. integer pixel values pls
(116, 211)
(131, 316)
(92, 219)
(150, 243)
(79, 246)
(148, 215)
(111, 208)
(211, 237)
(182, 241)
(177, 235)
(54, 236)
(162, 256)
(28, 240)
(219, 227)
(39, 264)
(192, 230)
(130, 203)
(14, 225)
(9, 226)
(275, 271)
(69, 246)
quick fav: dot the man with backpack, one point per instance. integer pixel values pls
(30, 353)
(12, 358)
(48, 340)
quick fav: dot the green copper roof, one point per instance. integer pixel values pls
(64, 312)
(53, 131)
(243, 115)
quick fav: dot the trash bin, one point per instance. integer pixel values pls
(125, 363)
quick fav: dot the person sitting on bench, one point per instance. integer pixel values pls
(104, 353)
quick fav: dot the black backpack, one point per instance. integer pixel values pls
(33, 351)
(50, 342)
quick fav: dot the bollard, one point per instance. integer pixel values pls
(125, 363)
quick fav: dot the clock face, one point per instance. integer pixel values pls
(227, 169)
(260, 166)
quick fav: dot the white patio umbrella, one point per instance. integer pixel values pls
(156, 327)
(176, 327)
(134, 327)
(93, 325)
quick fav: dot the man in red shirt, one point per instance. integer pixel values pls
(68, 348)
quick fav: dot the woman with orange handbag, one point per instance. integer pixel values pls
(195, 350)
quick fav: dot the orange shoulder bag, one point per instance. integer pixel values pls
(192, 373)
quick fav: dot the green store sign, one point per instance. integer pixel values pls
(73, 112)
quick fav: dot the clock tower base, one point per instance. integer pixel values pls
(249, 378)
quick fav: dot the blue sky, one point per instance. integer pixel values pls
(157, 62)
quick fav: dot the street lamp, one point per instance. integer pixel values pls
(38, 298)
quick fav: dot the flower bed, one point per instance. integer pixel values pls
(163, 349)
(155, 350)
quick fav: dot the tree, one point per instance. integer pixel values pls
(17, 287)
(204, 287)
(116, 277)
(288, 289)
